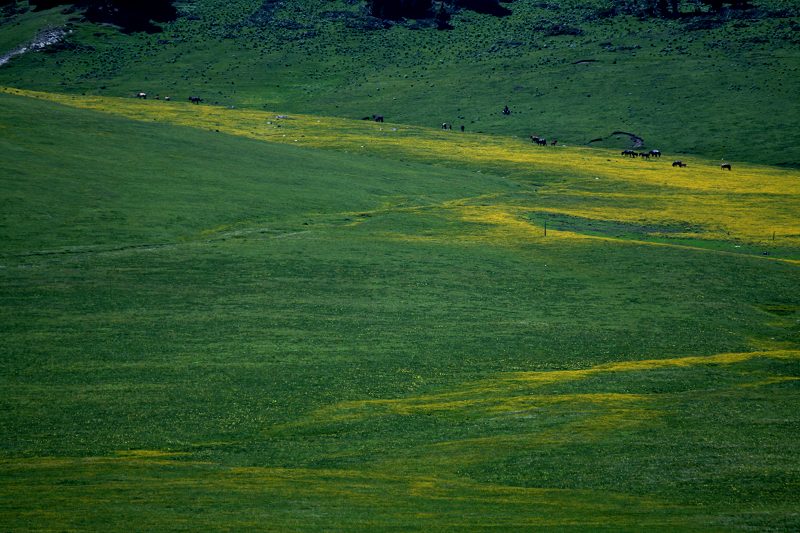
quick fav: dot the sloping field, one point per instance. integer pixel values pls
(754, 205)
(218, 318)
(722, 86)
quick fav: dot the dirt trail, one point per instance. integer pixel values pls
(43, 39)
(149, 247)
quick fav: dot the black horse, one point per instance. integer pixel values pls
(195, 99)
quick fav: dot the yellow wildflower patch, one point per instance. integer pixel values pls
(751, 203)
(389, 496)
(511, 392)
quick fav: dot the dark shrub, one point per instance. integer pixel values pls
(130, 15)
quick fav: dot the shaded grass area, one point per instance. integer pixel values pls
(332, 340)
(314, 498)
(673, 234)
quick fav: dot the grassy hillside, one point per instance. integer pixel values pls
(266, 313)
(718, 86)
(217, 318)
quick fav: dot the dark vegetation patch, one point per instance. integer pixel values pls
(552, 30)
(486, 7)
(356, 21)
(781, 309)
(614, 228)
(129, 15)
(10, 8)
(398, 9)
(425, 9)
(265, 13)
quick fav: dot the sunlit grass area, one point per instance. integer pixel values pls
(718, 86)
(219, 318)
(748, 205)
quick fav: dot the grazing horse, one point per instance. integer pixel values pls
(725, 166)
(195, 99)
(554, 142)
(143, 96)
(644, 155)
(655, 153)
(377, 118)
(506, 110)
(540, 141)
(678, 164)
(628, 153)
(444, 125)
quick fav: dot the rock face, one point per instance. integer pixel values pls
(44, 39)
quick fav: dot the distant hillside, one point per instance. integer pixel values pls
(713, 80)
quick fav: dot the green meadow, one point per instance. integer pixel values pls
(719, 86)
(270, 314)
(207, 330)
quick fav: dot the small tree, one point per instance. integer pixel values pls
(397, 9)
(443, 17)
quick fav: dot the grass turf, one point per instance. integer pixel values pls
(717, 86)
(231, 329)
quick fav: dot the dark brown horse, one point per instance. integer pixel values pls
(725, 166)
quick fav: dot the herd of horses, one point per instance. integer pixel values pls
(143, 96)
(644, 155)
(539, 141)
